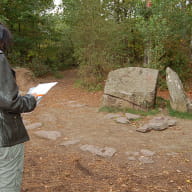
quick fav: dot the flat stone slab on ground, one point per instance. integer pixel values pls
(122, 120)
(34, 126)
(157, 123)
(172, 154)
(158, 119)
(159, 126)
(104, 152)
(52, 135)
(71, 142)
(172, 122)
(144, 156)
(132, 159)
(144, 129)
(147, 152)
(146, 160)
(131, 116)
(112, 115)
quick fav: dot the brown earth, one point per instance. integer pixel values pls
(50, 167)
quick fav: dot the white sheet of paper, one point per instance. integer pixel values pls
(42, 88)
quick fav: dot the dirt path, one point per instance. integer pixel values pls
(51, 167)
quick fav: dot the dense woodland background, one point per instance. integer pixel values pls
(98, 36)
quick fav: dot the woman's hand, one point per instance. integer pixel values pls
(35, 95)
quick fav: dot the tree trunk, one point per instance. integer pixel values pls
(147, 54)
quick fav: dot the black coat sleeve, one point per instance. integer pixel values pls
(10, 100)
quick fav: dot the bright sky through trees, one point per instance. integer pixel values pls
(57, 2)
(57, 8)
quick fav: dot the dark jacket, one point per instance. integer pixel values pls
(12, 129)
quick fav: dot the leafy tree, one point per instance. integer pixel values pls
(99, 36)
(26, 20)
(115, 33)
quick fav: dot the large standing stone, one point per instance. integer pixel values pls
(131, 87)
(189, 106)
(178, 98)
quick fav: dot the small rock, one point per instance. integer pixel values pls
(108, 152)
(104, 152)
(145, 160)
(132, 153)
(147, 152)
(172, 154)
(159, 126)
(122, 120)
(157, 119)
(71, 142)
(52, 135)
(178, 171)
(34, 126)
(172, 122)
(131, 158)
(131, 116)
(111, 116)
(144, 129)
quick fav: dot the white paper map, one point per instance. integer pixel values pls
(41, 89)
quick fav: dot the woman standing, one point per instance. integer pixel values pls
(12, 131)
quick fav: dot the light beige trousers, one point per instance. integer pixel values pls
(11, 168)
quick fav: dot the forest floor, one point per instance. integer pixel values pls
(73, 112)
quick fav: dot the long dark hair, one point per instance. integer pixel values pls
(5, 38)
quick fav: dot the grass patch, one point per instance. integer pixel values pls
(89, 87)
(127, 110)
(161, 102)
(181, 115)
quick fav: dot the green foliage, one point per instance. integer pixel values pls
(89, 86)
(161, 103)
(58, 75)
(38, 67)
(166, 34)
(115, 34)
(41, 40)
(126, 110)
(98, 37)
(181, 115)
